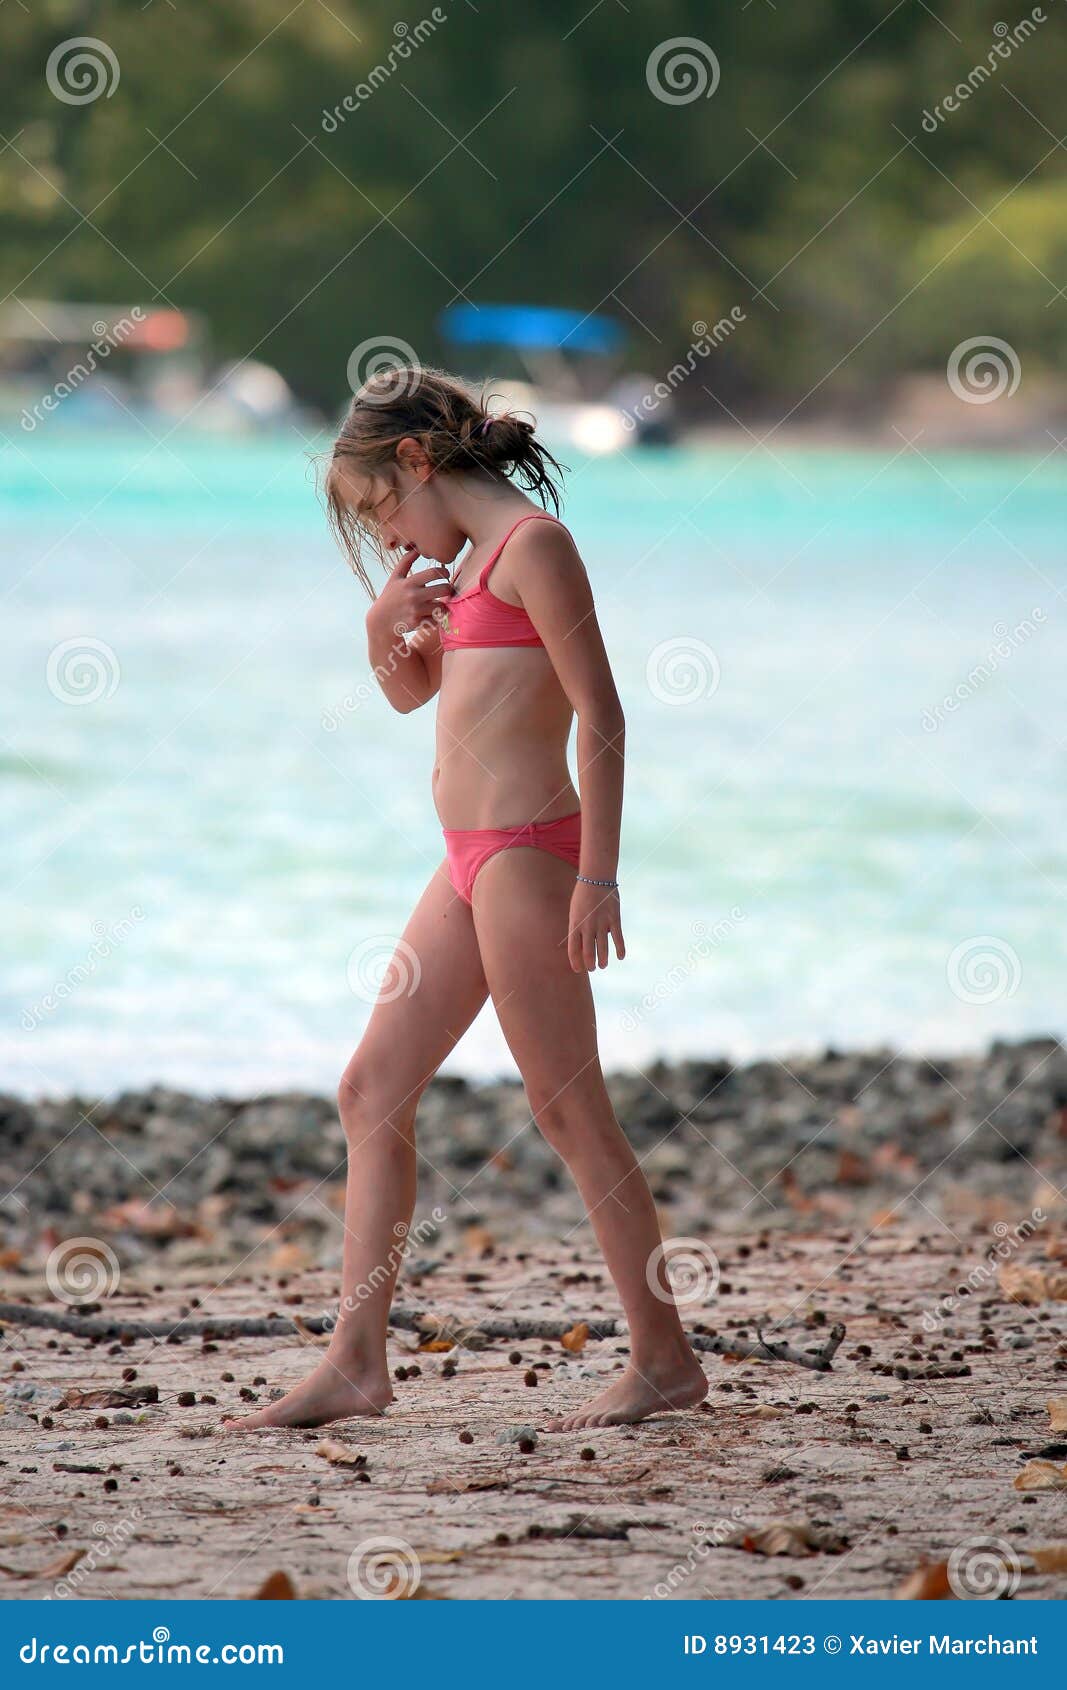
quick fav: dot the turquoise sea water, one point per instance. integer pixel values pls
(207, 811)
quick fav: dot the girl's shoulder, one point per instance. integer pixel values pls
(538, 550)
(541, 532)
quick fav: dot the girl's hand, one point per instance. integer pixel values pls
(407, 601)
(594, 915)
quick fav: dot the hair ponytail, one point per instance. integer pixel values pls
(508, 445)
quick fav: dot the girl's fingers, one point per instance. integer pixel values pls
(588, 945)
(405, 560)
(574, 949)
(589, 948)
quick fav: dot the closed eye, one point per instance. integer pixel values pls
(366, 511)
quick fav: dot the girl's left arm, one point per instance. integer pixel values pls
(554, 586)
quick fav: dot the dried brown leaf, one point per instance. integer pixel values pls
(306, 1333)
(444, 1332)
(786, 1537)
(928, 1583)
(576, 1339)
(852, 1169)
(1032, 1285)
(289, 1258)
(1041, 1475)
(276, 1587)
(149, 1219)
(794, 1195)
(478, 1241)
(51, 1570)
(450, 1484)
(339, 1454)
(109, 1396)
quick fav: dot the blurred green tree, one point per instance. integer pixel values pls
(799, 163)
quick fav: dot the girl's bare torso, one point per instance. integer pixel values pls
(503, 723)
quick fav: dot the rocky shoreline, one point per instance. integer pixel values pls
(814, 1142)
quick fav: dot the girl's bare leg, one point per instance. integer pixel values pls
(546, 1011)
(433, 991)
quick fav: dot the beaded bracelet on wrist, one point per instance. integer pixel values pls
(589, 881)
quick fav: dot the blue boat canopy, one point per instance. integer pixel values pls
(531, 328)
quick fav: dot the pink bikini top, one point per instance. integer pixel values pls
(479, 618)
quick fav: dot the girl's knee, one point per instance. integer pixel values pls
(372, 1107)
(564, 1116)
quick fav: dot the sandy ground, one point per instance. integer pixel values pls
(883, 1474)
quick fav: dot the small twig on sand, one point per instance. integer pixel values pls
(821, 1359)
(405, 1320)
(935, 1370)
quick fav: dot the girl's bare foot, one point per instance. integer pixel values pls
(637, 1395)
(333, 1392)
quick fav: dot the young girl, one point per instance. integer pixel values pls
(525, 899)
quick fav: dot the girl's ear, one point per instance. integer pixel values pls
(411, 455)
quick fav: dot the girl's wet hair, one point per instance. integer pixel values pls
(455, 428)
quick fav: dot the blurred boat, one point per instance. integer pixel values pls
(95, 365)
(566, 372)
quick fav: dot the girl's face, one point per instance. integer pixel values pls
(405, 508)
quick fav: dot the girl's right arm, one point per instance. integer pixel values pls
(408, 671)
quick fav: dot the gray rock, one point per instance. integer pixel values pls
(515, 1434)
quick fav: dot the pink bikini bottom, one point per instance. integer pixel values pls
(470, 848)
